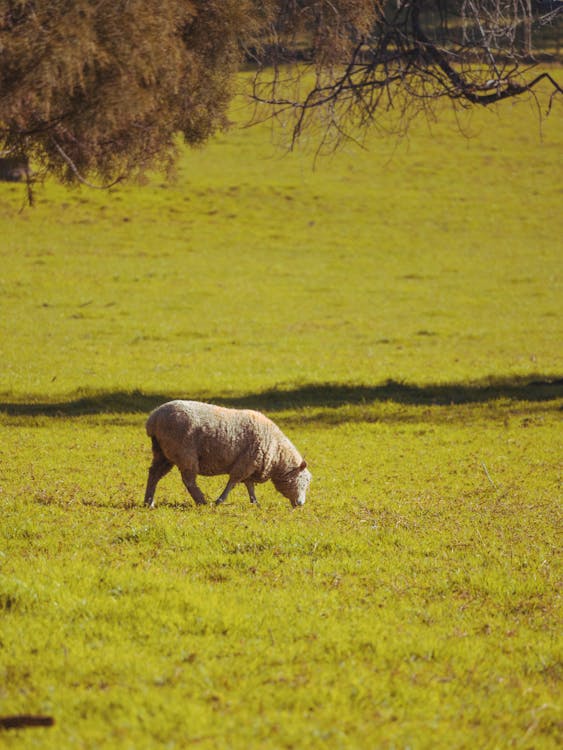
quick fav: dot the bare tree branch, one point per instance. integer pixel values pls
(474, 56)
(66, 158)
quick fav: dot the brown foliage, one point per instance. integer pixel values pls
(102, 87)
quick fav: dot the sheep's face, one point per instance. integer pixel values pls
(303, 480)
(295, 484)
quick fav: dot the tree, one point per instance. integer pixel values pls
(101, 89)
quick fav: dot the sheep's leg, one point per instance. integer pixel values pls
(191, 485)
(228, 487)
(159, 467)
(251, 493)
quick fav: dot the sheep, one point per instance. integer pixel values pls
(210, 440)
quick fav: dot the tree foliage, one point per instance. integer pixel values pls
(100, 89)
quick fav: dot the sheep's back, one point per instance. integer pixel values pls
(217, 437)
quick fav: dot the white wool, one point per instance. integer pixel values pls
(210, 440)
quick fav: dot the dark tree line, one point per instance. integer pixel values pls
(101, 89)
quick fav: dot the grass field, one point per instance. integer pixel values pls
(398, 312)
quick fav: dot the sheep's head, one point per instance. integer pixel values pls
(294, 484)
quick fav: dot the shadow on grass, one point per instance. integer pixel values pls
(328, 395)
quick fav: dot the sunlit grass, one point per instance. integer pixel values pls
(413, 601)
(398, 314)
(433, 259)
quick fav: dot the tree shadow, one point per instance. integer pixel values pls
(539, 388)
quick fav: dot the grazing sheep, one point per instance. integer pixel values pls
(211, 440)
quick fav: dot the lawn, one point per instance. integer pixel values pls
(397, 311)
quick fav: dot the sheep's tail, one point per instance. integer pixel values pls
(150, 425)
(151, 432)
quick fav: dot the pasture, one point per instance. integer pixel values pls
(397, 311)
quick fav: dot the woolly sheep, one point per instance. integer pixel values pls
(210, 440)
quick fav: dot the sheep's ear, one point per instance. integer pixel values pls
(303, 465)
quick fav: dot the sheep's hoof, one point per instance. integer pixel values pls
(219, 501)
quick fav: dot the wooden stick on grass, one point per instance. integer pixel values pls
(21, 721)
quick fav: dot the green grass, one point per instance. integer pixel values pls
(397, 312)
